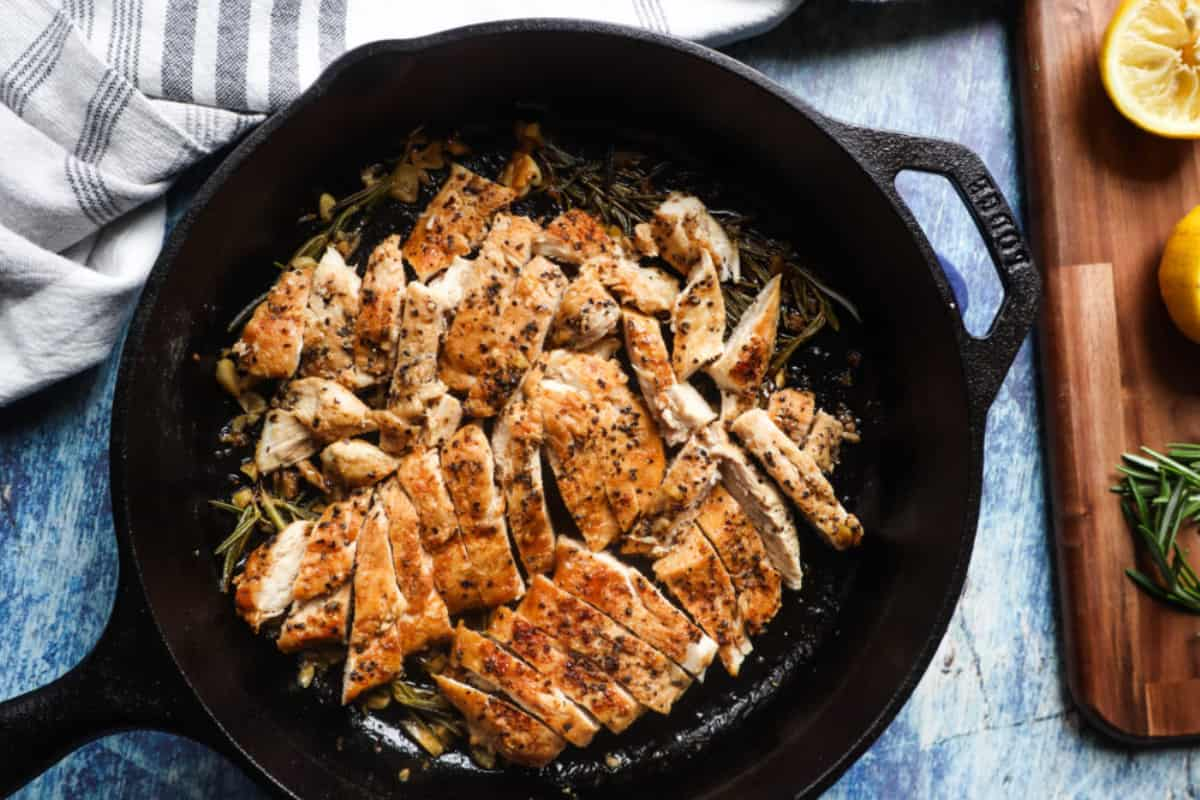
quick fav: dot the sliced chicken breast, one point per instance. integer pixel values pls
(502, 727)
(607, 347)
(574, 237)
(694, 574)
(793, 411)
(692, 475)
(329, 329)
(380, 305)
(677, 407)
(420, 474)
(798, 475)
(376, 652)
(647, 289)
(743, 363)
(454, 222)
(329, 410)
(263, 590)
(683, 231)
(495, 669)
(272, 341)
(571, 422)
(824, 442)
(467, 466)
(652, 678)
(318, 622)
(443, 417)
(698, 321)
(762, 502)
(517, 445)
(575, 675)
(586, 315)
(415, 383)
(621, 592)
(353, 463)
(284, 441)
(626, 439)
(448, 288)
(737, 542)
(425, 619)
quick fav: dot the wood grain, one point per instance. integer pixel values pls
(1104, 197)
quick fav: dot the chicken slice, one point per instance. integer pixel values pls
(626, 440)
(502, 727)
(467, 467)
(414, 379)
(517, 445)
(621, 592)
(683, 231)
(425, 619)
(798, 475)
(284, 441)
(575, 675)
(677, 407)
(263, 590)
(574, 237)
(272, 341)
(587, 314)
(692, 475)
(694, 574)
(652, 678)
(329, 410)
(443, 416)
(316, 622)
(510, 241)
(824, 443)
(647, 289)
(376, 652)
(698, 321)
(763, 504)
(520, 334)
(736, 541)
(607, 347)
(381, 300)
(354, 463)
(448, 288)
(570, 421)
(495, 669)
(420, 474)
(740, 370)
(793, 411)
(329, 329)
(454, 222)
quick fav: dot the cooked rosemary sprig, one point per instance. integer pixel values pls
(259, 506)
(1160, 494)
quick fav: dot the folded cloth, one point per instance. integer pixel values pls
(104, 102)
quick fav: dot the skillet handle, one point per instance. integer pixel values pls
(986, 359)
(128, 681)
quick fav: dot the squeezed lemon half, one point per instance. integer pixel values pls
(1179, 275)
(1150, 65)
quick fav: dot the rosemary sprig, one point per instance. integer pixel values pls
(1160, 494)
(261, 506)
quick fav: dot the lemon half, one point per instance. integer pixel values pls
(1150, 64)
(1179, 275)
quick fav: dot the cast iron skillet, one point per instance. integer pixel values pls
(802, 713)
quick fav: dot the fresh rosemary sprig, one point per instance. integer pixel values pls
(1160, 494)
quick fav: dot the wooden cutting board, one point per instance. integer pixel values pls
(1103, 198)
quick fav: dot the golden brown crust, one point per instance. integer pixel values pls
(425, 619)
(502, 727)
(381, 300)
(738, 544)
(272, 341)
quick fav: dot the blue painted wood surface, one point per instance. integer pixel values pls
(990, 718)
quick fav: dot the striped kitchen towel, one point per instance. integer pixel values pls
(104, 102)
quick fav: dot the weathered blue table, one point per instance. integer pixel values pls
(990, 718)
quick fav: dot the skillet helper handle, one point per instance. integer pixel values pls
(128, 681)
(988, 357)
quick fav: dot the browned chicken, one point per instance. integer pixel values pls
(798, 475)
(793, 411)
(284, 441)
(521, 331)
(733, 536)
(493, 668)
(577, 676)
(677, 407)
(381, 301)
(501, 727)
(652, 678)
(469, 474)
(647, 289)
(682, 231)
(587, 314)
(414, 378)
(574, 237)
(824, 441)
(694, 574)
(271, 342)
(420, 474)
(329, 410)
(517, 445)
(329, 329)
(689, 479)
(698, 321)
(570, 422)
(621, 592)
(376, 652)
(626, 440)
(740, 370)
(454, 222)
(263, 590)
(425, 619)
(316, 622)
(354, 463)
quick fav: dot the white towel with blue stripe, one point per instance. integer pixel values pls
(104, 102)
